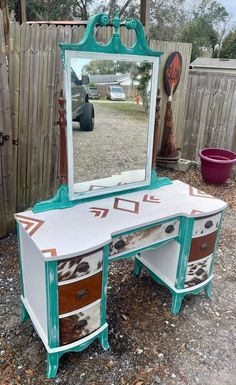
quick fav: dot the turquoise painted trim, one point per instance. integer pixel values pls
(104, 283)
(185, 239)
(59, 201)
(61, 198)
(136, 251)
(52, 303)
(24, 313)
(216, 245)
(138, 266)
(53, 358)
(177, 298)
(115, 45)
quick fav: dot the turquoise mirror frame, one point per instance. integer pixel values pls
(114, 46)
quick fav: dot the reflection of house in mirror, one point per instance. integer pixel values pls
(125, 80)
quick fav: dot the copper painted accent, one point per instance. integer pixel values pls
(69, 299)
(199, 193)
(151, 199)
(134, 211)
(30, 222)
(63, 154)
(196, 211)
(201, 247)
(156, 129)
(168, 148)
(99, 211)
(53, 252)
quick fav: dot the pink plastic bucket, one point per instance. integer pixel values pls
(216, 164)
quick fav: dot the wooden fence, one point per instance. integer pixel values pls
(210, 114)
(29, 88)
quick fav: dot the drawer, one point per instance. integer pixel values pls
(201, 247)
(206, 225)
(145, 237)
(78, 294)
(76, 267)
(79, 325)
(197, 272)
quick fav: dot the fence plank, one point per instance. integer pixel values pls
(7, 206)
(210, 115)
(25, 37)
(178, 103)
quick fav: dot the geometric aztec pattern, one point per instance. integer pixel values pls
(49, 252)
(99, 211)
(126, 205)
(194, 192)
(151, 199)
(31, 225)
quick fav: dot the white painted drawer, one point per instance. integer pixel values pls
(198, 271)
(144, 237)
(86, 264)
(78, 325)
(206, 225)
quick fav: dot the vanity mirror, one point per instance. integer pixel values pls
(109, 139)
(109, 133)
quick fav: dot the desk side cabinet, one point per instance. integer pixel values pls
(184, 265)
(65, 298)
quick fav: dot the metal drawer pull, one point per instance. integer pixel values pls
(208, 224)
(204, 246)
(82, 293)
(82, 323)
(169, 229)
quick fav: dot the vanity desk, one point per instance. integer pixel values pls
(67, 243)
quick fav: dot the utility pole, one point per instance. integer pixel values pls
(145, 15)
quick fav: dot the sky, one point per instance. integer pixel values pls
(230, 6)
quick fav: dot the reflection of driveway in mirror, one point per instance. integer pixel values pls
(118, 143)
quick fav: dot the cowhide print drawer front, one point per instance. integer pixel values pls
(142, 238)
(79, 325)
(76, 295)
(201, 247)
(197, 272)
(76, 267)
(206, 225)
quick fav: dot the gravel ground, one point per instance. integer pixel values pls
(110, 144)
(148, 345)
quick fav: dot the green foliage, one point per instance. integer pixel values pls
(205, 29)
(228, 49)
(167, 19)
(143, 77)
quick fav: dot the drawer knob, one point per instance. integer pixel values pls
(83, 293)
(82, 323)
(119, 244)
(204, 246)
(208, 224)
(169, 229)
(82, 267)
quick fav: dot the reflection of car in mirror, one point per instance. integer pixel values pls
(82, 110)
(93, 92)
(115, 93)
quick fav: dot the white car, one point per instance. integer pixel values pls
(115, 93)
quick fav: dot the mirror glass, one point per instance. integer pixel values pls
(108, 118)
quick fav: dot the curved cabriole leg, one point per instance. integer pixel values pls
(208, 289)
(137, 267)
(103, 339)
(176, 303)
(24, 313)
(52, 364)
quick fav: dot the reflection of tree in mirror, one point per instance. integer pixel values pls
(144, 76)
(107, 67)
